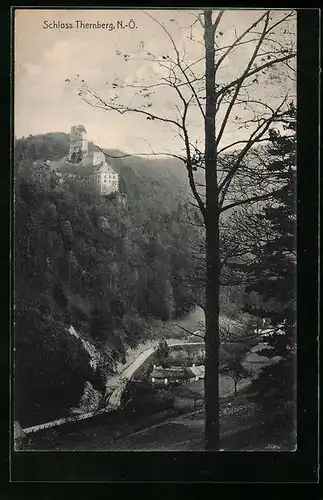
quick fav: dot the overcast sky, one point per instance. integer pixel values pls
(46, 57)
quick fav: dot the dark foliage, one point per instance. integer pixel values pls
(104, 266)
(273, 293)
(50, 367)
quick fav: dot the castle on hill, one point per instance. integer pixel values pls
(91, 166)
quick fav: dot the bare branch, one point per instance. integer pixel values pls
(231, 47)
(255, 136)
(189, 331)
(256, 70)
(127, 155)
(179, 64)
(242, 78)
(249, 30)
(189, 166)
(217, 20)
(122, 109)
(125, 109)
(248, 200)
(264, 139)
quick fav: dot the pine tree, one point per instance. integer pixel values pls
(274, 274)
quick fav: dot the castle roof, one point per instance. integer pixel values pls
(105, 169)
(102, 167)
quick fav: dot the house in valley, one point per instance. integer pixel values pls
(168, 376)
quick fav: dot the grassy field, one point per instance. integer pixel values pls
(148, 411)
(171, 420)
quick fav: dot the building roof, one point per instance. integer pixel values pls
(171, 373)
(106, 169)
(198, 371)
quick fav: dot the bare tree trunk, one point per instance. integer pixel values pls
(211, 379)
(235, 388)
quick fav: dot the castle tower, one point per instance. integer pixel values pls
(78, 144)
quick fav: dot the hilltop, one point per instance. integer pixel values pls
(165, 174)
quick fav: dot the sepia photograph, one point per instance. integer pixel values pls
(154, 227)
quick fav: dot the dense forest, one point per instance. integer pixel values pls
(109, 267)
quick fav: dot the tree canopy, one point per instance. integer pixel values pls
(272, 294)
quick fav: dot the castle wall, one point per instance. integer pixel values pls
(109, 182)
(97, 158)
(108, 188)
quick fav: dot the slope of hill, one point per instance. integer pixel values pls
(165, 171)
(110, 270)
(157, 174)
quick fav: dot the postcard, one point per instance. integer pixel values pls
(155, 220)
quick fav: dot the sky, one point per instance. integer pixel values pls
(47, 59)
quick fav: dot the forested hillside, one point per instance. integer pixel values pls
(51, 146)
(163, 171)
(107, 267)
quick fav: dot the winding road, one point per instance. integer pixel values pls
(115, 398)
(113, 401)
